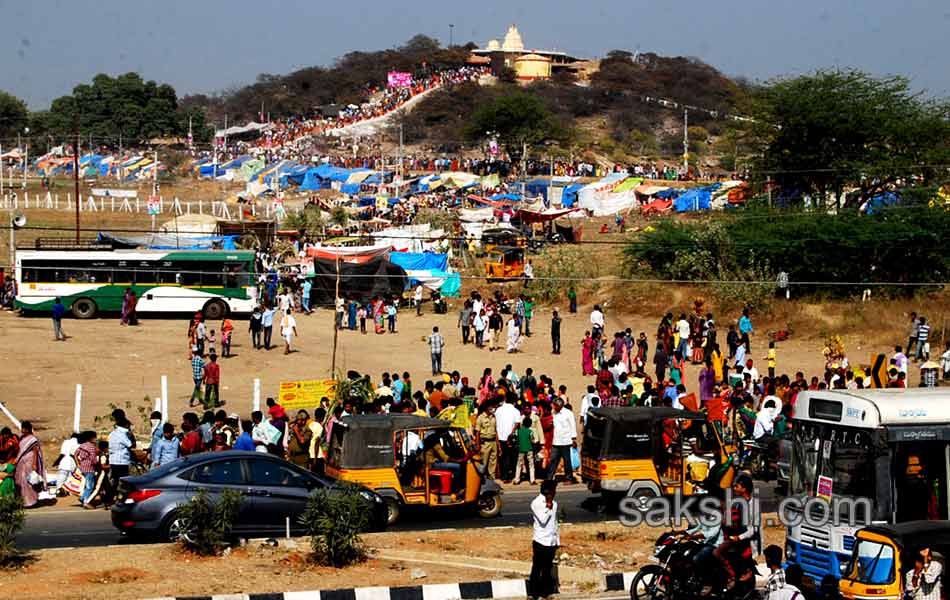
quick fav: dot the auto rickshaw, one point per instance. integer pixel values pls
(883, 555)
(504, 262)
(648, 452)
(503, 237)
(412, 461)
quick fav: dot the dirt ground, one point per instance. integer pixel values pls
(123, 365)
(164, 570)
(129, 572)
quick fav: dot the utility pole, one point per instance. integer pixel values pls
(26, 157)
(76, 181)
(401, 175)
(154, 184)
(768, 188)
(451, 34)
(336, 330)
(685, 142)
(1, 170)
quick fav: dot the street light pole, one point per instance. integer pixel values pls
(451, 34)
(26, 157)
(76, 181)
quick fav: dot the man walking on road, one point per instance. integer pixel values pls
(565, 438)
(545, 541)
(555, 333)
(58, 311)
(198, 374)
(436, 344)
(212, 383)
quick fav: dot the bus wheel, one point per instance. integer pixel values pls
(84, 308)
(214, 310)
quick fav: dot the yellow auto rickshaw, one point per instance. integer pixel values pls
(884, 555)
(646, 452)
(504, 262)
(411, 461)
(503, 237)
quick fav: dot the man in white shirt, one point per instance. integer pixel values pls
(597, 321)
(506, 419)
(588, 401)
(288, 329)
(545, 541)
(283, 301)
(764, 420)
(682, 328)
(417, 299)
(565, 438)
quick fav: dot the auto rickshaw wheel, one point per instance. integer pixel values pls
(393, 508)
(489, 505)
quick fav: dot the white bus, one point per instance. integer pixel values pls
(891, 446)
(216, 282)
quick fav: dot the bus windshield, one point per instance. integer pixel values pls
(841, 456)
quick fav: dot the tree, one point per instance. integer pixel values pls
(518, 119)
(13, 115)
(420, 44)
(832, 130)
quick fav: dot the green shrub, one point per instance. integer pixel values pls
(334, 521)
(207, 524)
(12, 517)
(559, 267)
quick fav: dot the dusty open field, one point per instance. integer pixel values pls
(116, 364)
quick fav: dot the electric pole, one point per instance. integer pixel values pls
(76, 181)
(685, 142)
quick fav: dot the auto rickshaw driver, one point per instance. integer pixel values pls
(435, 457)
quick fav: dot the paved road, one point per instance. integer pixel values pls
(74, 527)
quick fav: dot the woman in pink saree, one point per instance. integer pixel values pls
(29, 460)
(587, 354)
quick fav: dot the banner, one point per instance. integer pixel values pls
(154, 206)
(112, 193)
(305, 394)
(399, 79)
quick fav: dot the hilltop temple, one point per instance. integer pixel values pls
(529, 65)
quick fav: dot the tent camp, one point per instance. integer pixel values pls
(600, 199)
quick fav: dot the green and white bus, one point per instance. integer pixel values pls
(216, 282)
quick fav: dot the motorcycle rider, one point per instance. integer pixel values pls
(737, 532)
(709, 535)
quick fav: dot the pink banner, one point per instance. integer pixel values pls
(399, 79)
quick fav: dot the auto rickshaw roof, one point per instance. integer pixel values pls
(634, 414)
(506, 249)
(915, 534)
(392, 421)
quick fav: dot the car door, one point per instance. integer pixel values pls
(278, 490)
(216, 476)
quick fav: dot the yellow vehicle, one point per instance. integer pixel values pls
(883, 555)
(411, 461)
(503, 237)
(504, 262)
(646, 452)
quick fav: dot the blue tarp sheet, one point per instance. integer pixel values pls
(882, 201)
(313, 181)
(452, 285)
(512, 197)
(538, 187)
(569, 196)
(419, 261)
(350, 188)
(695, 199)
(668, 194)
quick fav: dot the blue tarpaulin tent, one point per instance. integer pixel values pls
(668, 193)
(511, 197)
(417, 261)
(569, 196)
(695, 199)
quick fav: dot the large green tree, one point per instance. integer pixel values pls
(833, 130)
(519, 119)
(13, 115)
(125, 105)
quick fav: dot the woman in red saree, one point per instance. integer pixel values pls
(587, 354)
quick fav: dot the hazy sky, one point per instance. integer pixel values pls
(48, 46)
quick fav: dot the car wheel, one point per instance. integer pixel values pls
(393, 508)
(84, 308)
(489, 505)
(176, 529)
(215, 310)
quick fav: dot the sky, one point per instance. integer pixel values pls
(49, 46)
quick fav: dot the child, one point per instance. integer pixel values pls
(391, 316)
(525, 450)
(361, 315)
(211, 342)
(226, 328)
(732, 340)
(771, 360)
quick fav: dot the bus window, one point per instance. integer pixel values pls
(805, 447)
(123, 273)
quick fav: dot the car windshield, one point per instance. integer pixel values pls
(875, 563)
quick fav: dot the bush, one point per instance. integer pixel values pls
(12, 517)
(208, 524)
(559, 267)
(334, 521)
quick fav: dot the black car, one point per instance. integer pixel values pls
(273, 490)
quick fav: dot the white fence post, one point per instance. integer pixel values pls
(77, 410)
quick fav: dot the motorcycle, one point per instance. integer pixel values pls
(677, 576)
(758, 458)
